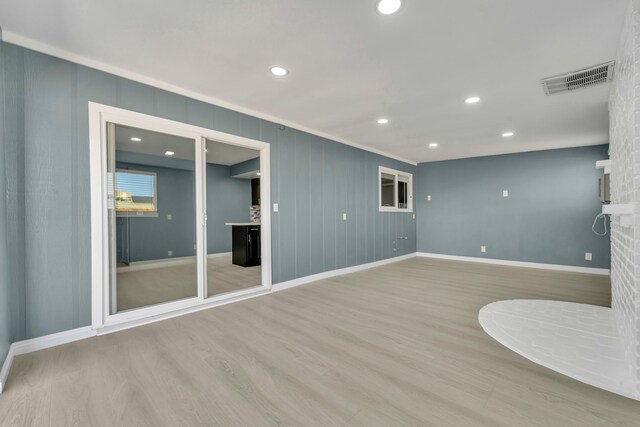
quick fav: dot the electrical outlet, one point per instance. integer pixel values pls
(275, 207)
(344, 216)
(170, 253)
(414, 216)
(483, 249)
(428, 197)
(505, 193)
(169, 217)
(587, 256)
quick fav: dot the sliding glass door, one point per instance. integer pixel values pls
(151, 203)
(233, 226)
(176, 216)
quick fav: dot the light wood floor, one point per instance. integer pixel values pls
(139, 288)
(391, 346)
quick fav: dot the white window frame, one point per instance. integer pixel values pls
(396, 173)
(140, 214)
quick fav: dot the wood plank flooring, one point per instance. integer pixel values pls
(139, 288)
(391, 346)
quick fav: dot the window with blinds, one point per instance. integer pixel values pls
(136, 193)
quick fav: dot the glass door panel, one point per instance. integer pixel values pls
(151, 191)
(233, 232)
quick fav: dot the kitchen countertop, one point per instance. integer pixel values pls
(242, 223)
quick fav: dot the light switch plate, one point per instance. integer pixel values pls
(169, 217)
(428, 197)
(483, 249)
(170, 253)
(344, 216)
(275, 207)
(414, 216)
(505, 193)
(588, 256)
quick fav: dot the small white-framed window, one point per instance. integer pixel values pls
(395, 189)
(136, 193)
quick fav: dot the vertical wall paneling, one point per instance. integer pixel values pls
(12, 64)
(6, 332)
(316, 193)
(302, 202)
(546, 218)
(314, 181)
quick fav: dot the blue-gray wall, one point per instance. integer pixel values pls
(151, 238)
(6, 332)
(228, 200)
(251, 165)
(314, 180)
(547, 218)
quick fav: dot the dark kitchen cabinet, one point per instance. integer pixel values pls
(246, 245)
(255, 191)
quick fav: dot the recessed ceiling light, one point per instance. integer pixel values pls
(472, 100)
(169, 153)
(383, 121)
(508, 134)
(136, 139)
(279, 71)
(389, 7)
(433, 144)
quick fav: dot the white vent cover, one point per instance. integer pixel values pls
(578, 79)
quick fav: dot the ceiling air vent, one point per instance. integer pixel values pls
(579, 79)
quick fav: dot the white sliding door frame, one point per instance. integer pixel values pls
(99, 116)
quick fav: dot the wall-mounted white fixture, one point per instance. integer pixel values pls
(344, 216)
(383, 121)
(588, 256)
(505, 193)
(429, 197)
(604, 164)
(136, 139)
(169, 153)
(169, 217)
(279, 71)
(433, 144)
(388, 7)
(507, 134)
(626, 212)
(472, 100)
(483, 249)
(257, 173)
(275, 207)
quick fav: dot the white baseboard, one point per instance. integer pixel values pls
(6, 366)
(556, 267)
(40, 343)
(219, 255)
(166, 262)
(339, 272)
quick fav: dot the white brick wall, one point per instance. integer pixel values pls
(624, 150)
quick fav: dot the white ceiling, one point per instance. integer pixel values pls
(349, 65)
(157, 144)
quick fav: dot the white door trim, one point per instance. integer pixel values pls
(99, 115)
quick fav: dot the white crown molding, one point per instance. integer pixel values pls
(26, 42)
(555, 267)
